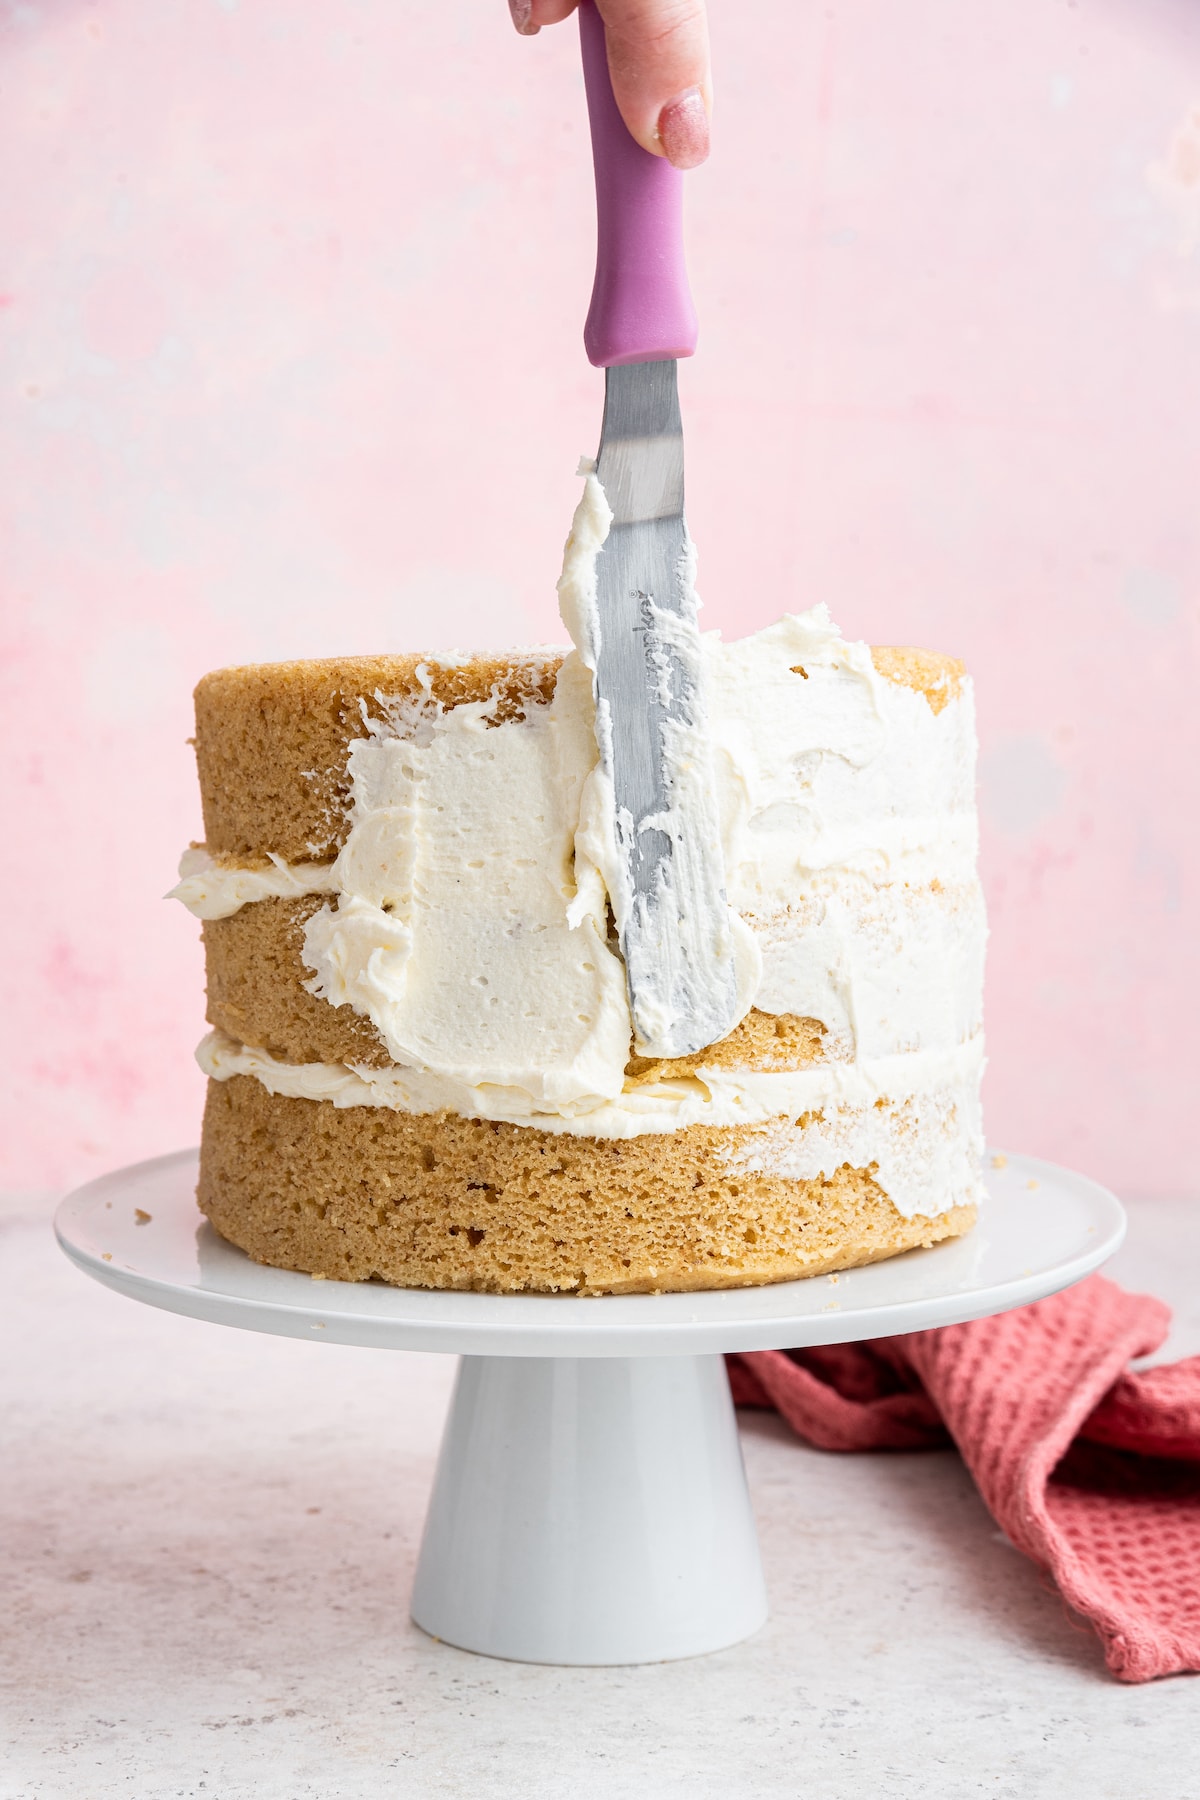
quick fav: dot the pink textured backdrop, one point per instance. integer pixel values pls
(290, 303)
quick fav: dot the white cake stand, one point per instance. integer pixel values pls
(590, 1503)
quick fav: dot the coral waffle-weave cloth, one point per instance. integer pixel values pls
(1089, 1467)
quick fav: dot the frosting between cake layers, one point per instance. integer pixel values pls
(213, 890)
(914, 1118)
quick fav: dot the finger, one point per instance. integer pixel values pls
(658, 61)
(530, 15)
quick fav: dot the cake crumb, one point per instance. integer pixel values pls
(140, 1217)
(1031, 1184)
(319, 1277)
(105, 1256)
(999, 1161)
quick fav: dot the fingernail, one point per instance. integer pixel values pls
(683, 130)
(522, 14)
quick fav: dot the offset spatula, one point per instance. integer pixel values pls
(672, 918)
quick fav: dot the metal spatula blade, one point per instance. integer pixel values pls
(673, 924)
(669, 900)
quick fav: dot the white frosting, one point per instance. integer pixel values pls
(885, 968)
(470, 923)
(469, 931)
(213, 890)
(915, 1117)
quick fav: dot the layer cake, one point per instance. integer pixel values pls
(421, 1066)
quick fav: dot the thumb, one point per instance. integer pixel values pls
(658, 62)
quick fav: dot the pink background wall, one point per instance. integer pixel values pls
(290, 304)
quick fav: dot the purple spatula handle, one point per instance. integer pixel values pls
(641, 307)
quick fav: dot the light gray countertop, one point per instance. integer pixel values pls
(207, 1539)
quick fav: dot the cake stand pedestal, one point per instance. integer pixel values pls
(590, 1504)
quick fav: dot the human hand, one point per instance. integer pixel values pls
(658, 62)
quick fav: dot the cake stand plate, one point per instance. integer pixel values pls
(590, 1504)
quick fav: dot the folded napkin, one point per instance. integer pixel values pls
(1090, 1468)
